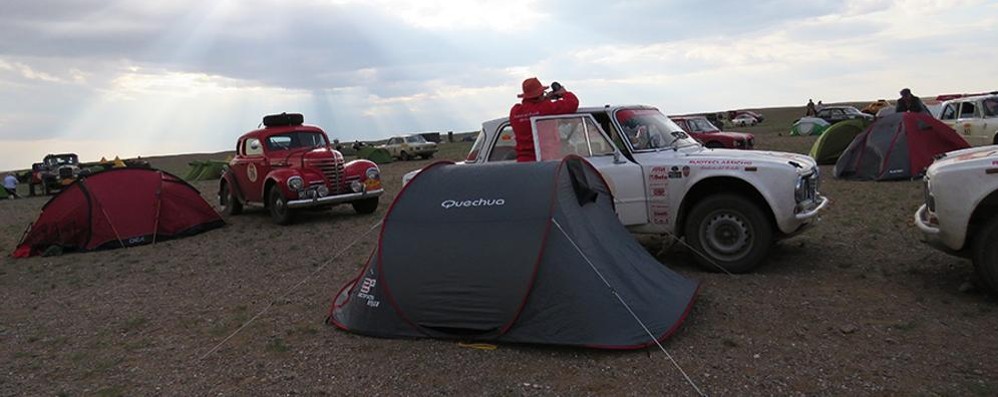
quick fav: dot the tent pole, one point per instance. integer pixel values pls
(159, 206)
(113, 229)
(628, 307)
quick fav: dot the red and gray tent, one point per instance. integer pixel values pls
(512, 252)
(119, 208)
(896, 147)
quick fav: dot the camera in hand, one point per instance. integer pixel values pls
(555, 87)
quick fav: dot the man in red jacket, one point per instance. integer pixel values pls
(537, 103)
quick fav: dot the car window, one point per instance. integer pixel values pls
(476, 148)
(968, 110)
(505, 147)
(294, 140)
(990, 106)
(851, 111)
(701, 125)
(948, 113)
(823, 113)
(253, 147)
(415, 139)
(562, 136)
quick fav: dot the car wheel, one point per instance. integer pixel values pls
(279, 211)
(365, 206)
(730, 232)
(714, 145)
(404, 156)
(985, 255)
(228, 201)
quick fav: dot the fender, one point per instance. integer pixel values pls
(233, 181)
(359, 167)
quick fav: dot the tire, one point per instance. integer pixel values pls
(228, 201)
(714, 145)
(985, 255)
(729, 231)
(365, 206)
(278, 206)
(404, 156)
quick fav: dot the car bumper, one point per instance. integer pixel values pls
(813, 212)
(931, 233)
(332, 200)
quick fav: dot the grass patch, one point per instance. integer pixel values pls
(277, 345)
(133, 324)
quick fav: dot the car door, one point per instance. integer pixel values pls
(558, 136)
(968, 123)
(250, 169)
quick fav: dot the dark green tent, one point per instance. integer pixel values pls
(835, 140)
(375, 154)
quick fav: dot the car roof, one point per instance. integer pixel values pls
(971, 98)
(491, 124)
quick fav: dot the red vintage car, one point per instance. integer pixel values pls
(702, 130)
(289, 165)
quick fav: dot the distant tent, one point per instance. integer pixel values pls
(835, 140)
(809, 126)
(375, 154)
(512, 252)
(4, 194)
(120, 207)
(205, 170)
(898, 146)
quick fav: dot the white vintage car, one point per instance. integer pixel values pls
(975, 118)
(960, 214)
(407, 147)
(730, 205)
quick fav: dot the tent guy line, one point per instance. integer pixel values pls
(628, 307)
(290, 290)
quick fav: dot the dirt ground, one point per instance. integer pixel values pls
(854, 306)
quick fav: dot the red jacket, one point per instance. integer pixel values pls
(519, 119)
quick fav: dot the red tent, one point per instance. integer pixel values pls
(896, 147)
(119, 208)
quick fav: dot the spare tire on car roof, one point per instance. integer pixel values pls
(276, 120)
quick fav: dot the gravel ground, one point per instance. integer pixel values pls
(855, 306)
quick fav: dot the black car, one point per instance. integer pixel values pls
(834, 114)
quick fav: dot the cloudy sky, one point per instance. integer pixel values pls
(107, 77)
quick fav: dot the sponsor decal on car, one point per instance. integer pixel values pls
(674, 173)
(660, 213)
(720, 164)
(251, 172)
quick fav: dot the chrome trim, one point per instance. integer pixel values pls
(338, 199)
(922, 219)
(810, 214)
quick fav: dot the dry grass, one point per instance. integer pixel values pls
(136, 321)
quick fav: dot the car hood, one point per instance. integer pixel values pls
(728, 134)
(751, 157)
(977, 157)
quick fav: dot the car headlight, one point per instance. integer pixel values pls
(373, 173)
(800, 189)
(322, 190)
(296, 183)
(930, 201)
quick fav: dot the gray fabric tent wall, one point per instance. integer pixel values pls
(505, 272)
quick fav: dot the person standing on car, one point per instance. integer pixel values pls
(537, 102)
(909, 103)
(10, 185)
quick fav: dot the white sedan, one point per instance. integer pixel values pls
(743, 120)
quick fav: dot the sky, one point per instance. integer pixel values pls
(128, 78)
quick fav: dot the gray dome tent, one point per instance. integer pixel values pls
(512, 252)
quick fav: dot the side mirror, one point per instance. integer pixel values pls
(616, 157)
(254, 145)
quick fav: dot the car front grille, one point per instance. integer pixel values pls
(332, 169)
(65, 172)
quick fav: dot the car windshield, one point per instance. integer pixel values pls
(415, 139)
(851, 111)
(295, 140)
(649, 129)
(701, 125)
(477, 146)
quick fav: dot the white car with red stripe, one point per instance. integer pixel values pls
(960, 213)
(730, 205)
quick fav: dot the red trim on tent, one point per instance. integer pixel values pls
(350, 284)
(664, 336)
